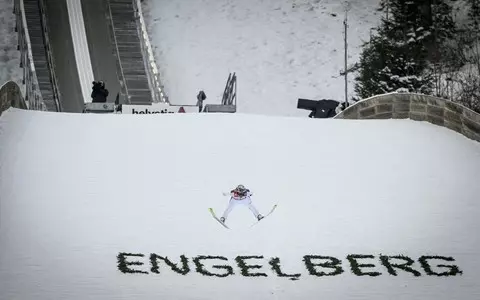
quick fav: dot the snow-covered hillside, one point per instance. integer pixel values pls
(281, 50)
(9, 55)
(116, 207)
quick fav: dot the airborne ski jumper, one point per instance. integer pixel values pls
(240, 196)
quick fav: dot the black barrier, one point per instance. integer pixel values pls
(324, 108)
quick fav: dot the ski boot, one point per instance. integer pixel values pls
(222, 219)
(259, 217)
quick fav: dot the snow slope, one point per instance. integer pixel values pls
(281, 50)
(9, 55)
(84, 204)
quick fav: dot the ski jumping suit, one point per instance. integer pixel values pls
(236, 199)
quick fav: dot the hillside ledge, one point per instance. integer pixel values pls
(417, 107)
(11, 96)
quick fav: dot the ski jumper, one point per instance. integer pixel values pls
(236, 199)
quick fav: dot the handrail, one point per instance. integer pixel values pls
(123, 84)
(50, 61)
(154, 75)
(32, 93)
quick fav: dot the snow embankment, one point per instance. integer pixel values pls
(281, 50)
(116, 207)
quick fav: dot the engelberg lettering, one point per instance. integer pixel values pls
(277, 268)
(331, 263)
(200, 268)
(244, 267)
(452, 270)
(387, 262)
(154, 258)
(123, 264)
(356, 266)
(319, 266)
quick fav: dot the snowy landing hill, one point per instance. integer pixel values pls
(116, 207)
(281, 50)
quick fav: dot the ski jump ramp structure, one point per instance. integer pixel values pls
(67, 44)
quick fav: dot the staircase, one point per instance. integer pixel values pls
(129, 51)
(35, 29)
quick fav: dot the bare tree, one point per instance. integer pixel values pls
(457, 76)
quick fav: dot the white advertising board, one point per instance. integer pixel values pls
(158, 108)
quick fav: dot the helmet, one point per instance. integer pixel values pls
(240, 187)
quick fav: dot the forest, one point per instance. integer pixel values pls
(423, 46)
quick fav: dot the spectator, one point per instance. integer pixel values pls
(200, 98)
(99, 92)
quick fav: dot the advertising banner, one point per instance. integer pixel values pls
(158, 108)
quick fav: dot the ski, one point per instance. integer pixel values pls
(216, 218)
(269, 213)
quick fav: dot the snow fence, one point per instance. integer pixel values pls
(417, 107)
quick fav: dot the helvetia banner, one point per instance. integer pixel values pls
(158, 108)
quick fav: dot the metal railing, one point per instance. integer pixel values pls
(230, 92)
(50, 61)
(33, 96)
(123, 84)
(158, 93)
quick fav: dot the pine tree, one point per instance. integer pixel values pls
(387, 66)
(474, 15)
(371, 61)
(397, 57)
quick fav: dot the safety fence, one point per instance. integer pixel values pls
(33, 96)
(158, 93)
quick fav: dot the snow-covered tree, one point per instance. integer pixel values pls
(474, 15)
(397, 57)
(387, 66)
